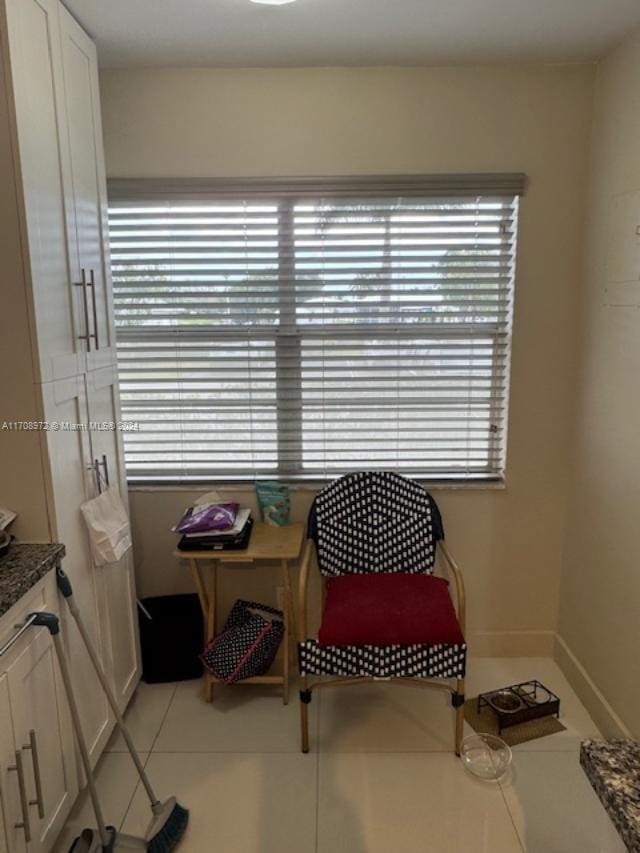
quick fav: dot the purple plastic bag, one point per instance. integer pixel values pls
(201, 519)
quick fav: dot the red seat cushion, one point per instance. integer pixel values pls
(388, 609)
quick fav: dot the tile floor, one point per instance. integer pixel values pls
(381, 777)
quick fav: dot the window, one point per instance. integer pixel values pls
(305, 328)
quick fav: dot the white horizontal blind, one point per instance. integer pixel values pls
(302, 336)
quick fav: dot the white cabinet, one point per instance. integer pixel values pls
(40, 739)
(65, 402)
(119, 596)
(57, 108)
(12, 837)
(82, 460)
(38, 780)
(32, 45)
(85, 201)
(120, 610)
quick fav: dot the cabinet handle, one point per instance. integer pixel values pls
(33, 746)
(21, 629)
(92, 285)
(96, 469)
(24, 823)
(83, 284)
(106, 469)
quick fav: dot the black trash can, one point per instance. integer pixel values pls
(171, 641)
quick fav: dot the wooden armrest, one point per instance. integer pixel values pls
(302, 590)
(459, 582)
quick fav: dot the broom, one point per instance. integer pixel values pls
(169, 819)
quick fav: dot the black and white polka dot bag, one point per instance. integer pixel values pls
(248, 643)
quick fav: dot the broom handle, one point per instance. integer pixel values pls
(82, 746)
(65, 588)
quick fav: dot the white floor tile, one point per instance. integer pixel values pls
(490, 673)
(385, 718)
(242, 718)
(388, 776)
(554, 807)
(144, 716)
(392, 718)
(408, 803)
(239, 803)
(116, 780)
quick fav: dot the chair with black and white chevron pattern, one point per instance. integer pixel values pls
(386, 615)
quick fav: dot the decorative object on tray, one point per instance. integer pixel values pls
(248, 643)
(275, 503)
(486, 756)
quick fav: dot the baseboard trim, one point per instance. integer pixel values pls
(591, 697)
(513, 644)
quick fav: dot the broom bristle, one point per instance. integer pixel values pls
(168, 837)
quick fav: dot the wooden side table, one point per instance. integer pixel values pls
(267, 544)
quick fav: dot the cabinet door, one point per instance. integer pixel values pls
(42, 738)
(70, 464)
(85, 192)
(119, 585)
(12, 837)
(36, 67)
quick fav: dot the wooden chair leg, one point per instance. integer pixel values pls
(305, 699)
(208, 688)
(304, 726)
(459, 714)
(287, 613)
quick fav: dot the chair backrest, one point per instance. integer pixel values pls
(375, 521)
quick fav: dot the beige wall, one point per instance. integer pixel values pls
(202, 122)
(600, 600)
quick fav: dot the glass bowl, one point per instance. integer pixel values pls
(486, 756)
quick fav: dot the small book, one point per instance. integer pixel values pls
(221, 543)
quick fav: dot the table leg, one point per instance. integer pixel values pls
(202, 594)
(205, 606)
(287, 630)
(293, 624)
(211, 622)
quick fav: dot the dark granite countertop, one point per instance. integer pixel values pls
(613, 768)
(22, 568)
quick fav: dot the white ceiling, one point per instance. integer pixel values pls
(353, 32)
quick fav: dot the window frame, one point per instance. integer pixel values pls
(287, 192)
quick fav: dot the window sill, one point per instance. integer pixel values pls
(248, 486)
